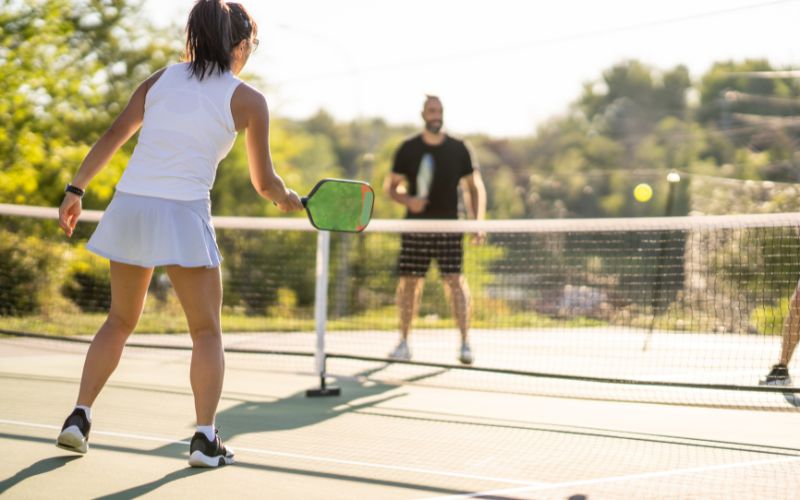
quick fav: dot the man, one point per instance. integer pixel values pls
(428, 169)
(779, 375)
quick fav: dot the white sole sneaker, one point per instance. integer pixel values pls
(199, 459)
(71, 439)
(465, 356)
(776, 383)
(400, 353)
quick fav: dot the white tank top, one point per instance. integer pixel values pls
(187, 130)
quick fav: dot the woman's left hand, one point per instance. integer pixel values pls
(69, 212)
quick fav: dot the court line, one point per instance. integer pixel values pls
(142, 437)
(615, 479)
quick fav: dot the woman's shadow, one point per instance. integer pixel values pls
(298, 410)
(292, 412)
(41, 467)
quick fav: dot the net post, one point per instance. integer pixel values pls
(320, 314)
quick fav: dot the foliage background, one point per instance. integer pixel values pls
(67, 68)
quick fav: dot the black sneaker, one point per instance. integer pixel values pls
(779, 375)
(75, 432)
(205, 453)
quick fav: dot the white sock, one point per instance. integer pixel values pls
(87, 410)
(208, 430)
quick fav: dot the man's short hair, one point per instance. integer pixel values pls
(430, 97)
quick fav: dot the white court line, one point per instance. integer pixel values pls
(615, 479)
(141, 437)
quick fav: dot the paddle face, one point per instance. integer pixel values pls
(340, 205)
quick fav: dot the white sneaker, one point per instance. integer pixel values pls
(779, 375)
(465, 355)
(205, 453)
(74, 434)
(401, 352)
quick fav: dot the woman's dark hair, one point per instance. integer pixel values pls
(213, 29)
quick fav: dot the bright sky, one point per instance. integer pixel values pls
(501, 67)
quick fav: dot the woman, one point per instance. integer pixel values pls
(189, 114)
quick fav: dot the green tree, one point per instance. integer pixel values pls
(66, 69)
(731, 87)
(301, 158)
(752, 111)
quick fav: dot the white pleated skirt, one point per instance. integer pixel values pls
(148, 232)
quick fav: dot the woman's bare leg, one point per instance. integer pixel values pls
(200, 292)
(128, 292)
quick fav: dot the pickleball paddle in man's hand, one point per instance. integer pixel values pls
(340, 205)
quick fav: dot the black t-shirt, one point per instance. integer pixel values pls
(448, 162)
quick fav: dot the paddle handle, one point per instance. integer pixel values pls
(303, 200)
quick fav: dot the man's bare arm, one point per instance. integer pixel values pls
(475, 195)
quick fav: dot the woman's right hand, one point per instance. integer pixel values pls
(290, 203)
(68, 213)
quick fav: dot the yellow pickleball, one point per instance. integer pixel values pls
(643, 192)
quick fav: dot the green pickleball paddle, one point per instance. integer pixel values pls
(340, 205)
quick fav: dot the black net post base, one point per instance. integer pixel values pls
(324, 390)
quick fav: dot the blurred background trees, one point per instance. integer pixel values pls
(68, 67)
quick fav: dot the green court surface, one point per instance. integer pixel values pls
(395, 433)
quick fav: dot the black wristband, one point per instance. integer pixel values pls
(74, 190)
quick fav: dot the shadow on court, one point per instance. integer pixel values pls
(142, 489)
(297, 411)
(50, 464)
(292, 412)
(137, 491)
(177, 451)
(41, 467)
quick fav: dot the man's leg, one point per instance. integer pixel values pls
(409, 291)
(458, 292)
(779, 374)
(409, 294)
(412, 265)
(791, 329)
(450, 256)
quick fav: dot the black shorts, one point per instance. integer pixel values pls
(417, 250)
